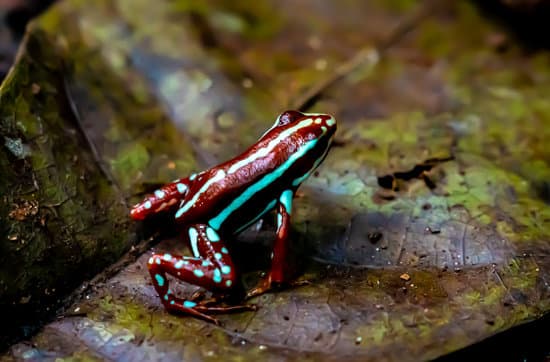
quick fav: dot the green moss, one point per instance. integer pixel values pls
(200, 341)
(131, 160)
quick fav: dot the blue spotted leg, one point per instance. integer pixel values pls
(211, 267)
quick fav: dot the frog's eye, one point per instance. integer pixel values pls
(284, 119)
(289, 117)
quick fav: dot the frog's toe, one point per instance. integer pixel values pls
(226, 309)
(267, 284)
(299, 283)
(207, 302)
(191, 308)
(198, 296)
(263, 286)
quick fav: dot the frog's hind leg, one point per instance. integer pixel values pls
(211, 268)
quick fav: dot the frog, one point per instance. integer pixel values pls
(216, 205)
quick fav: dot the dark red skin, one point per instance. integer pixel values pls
(223, 200)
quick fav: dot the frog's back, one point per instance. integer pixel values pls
(232, 195)
(229, 190)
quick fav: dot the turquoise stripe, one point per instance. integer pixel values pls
(181, 188)
(260, 185)
(286, 200)
(302, 178)
(212, 235)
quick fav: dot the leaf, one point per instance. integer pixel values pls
(163, 91)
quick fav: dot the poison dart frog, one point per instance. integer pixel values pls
(216, 204)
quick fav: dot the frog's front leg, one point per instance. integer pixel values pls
(211, 268)
(280, 273)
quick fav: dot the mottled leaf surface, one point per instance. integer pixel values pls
(411, 270)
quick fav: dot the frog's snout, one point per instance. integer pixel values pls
(330, 123)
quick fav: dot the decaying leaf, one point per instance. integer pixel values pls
(456, 253)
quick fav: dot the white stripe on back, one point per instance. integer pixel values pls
(263, 152)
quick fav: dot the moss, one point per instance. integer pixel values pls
(44, 167)
(200, 342)
(131, 160)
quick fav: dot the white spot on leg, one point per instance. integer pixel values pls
(159, 194)
(199, 273)
(181, 188)
(217, 277)
(189, 304)
(148, 204)
(159, 279)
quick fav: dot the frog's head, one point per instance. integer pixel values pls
(307, 126)
(303, 141)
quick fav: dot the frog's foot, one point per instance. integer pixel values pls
(198, 296)
(267, 284)
(177, 305)
(220, 302)
(204, 308)
(218, 309)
